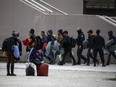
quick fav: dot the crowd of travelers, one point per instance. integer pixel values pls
(50, 47)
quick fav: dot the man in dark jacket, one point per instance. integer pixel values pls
(90, 47)
(111, 52)
(67, 48)
(80, 39)
(98, 45)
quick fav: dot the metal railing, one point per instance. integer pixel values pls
(43, 7)
(110, 20)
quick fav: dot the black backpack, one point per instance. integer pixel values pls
(30, 71)
(7, 44)
(72, 42)
(39, 43)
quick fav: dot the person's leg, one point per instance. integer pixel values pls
(92, 57)
(12, 65)
(8, 64)
(109, 57)
(113, 54)
(63, 58)
(95, 56)
(88, 57)
(79, 51)
(51, 56)
(101, 53)
(72, 57)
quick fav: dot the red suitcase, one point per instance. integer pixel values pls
(43, 70)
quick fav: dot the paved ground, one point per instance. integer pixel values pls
(61, 76)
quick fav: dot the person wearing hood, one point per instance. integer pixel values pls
(111, 52)
(50, 46)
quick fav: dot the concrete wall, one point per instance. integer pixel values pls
(68, 6)
(15, 15)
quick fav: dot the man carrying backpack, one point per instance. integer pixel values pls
(111, 51)
(8, 47)
(66, 44)
(33, 50)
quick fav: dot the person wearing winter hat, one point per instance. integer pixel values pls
(111, 52)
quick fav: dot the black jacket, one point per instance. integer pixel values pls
(80, 39)
(66, 42)
(90, 41)
(98, 42)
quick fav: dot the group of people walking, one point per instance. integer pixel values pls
(49, 46)
(62, 44)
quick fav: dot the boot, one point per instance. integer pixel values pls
(12, 70)
(8, 70)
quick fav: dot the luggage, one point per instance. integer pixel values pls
(43, 70)
(109, 43)
(30, 71)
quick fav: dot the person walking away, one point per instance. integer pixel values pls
(8, 47)
(98, 45)
(66, 44)
(80, 39)
(111, 51)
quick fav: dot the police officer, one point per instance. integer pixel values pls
(80, 39)
(98, 45)
(67, 48)
(111, 53)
